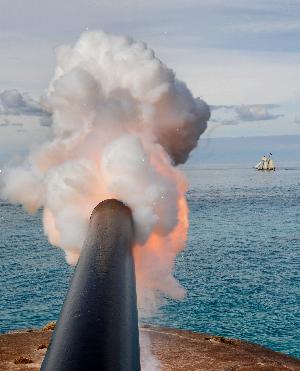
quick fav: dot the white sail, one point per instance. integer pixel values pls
(265, 163)
(271, 165)
(259, 165)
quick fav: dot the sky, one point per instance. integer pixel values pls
(241, 57)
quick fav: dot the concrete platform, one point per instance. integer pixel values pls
(176, 350)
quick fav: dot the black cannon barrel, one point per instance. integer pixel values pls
(98, 324)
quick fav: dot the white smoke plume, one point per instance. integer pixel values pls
(148, 361)
(121, 122)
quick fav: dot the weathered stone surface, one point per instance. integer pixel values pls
(176, 349)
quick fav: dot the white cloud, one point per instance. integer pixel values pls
(256, 112)
(243, 115)
(12, 102)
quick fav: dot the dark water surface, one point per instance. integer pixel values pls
(240, 267)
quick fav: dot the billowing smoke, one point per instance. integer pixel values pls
(121, 122)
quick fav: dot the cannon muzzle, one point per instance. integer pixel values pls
(98, 324)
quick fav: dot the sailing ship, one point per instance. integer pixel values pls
(266, 163)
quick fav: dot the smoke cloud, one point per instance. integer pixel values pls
(121, 121)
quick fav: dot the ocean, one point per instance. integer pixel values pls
(240, 266)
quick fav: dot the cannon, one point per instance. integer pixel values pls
(98, 325)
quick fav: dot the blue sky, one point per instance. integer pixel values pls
(242, 57)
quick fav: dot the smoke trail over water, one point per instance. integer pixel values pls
(121, 124)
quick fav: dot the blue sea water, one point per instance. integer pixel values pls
(240, 266)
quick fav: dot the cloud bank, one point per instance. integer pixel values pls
(15, 103)
(12, 102)
(236, 114)
(256, 112)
